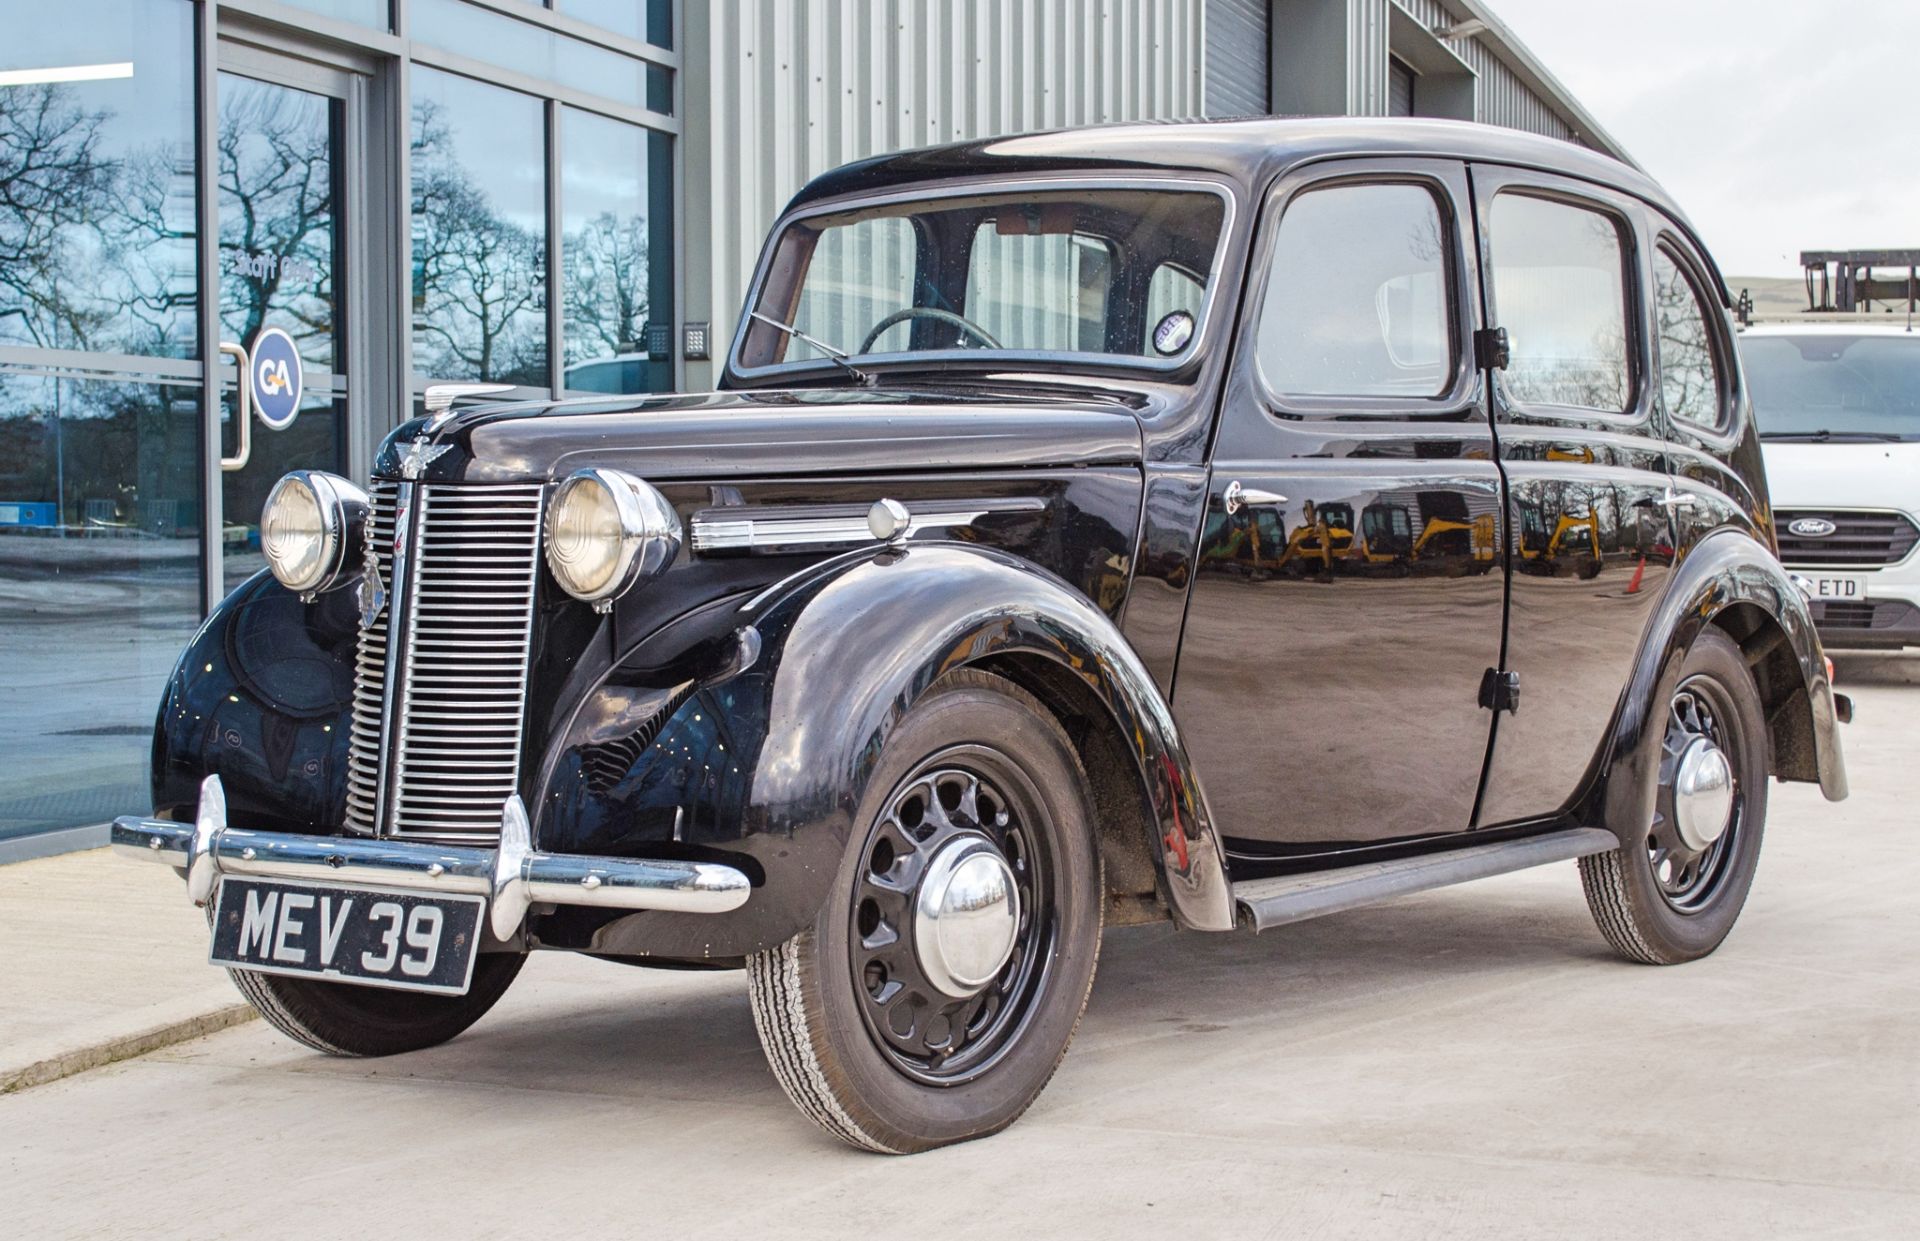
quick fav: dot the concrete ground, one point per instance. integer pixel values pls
(1468, 1063)
(104, 960)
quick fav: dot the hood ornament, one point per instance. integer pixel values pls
(416, 456)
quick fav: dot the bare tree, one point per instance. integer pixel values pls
(52, 178)
(479, 280)
(606, 299)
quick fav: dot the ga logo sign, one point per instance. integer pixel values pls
(276, 378)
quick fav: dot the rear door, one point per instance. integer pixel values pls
(1564, 266)
(1348, 590)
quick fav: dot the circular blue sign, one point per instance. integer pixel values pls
(276, 378)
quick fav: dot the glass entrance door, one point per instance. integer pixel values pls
(283, 273)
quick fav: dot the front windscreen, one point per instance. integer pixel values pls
(1107, 274)
(1832, 386)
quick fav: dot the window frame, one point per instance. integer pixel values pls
(1211, 311)
(1491, 181)
(1446, 179)
(1726, 428)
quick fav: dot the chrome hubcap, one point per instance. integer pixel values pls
(1702, 794)
(1697, 817)
(966, 916)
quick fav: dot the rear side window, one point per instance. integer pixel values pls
(1691, 385)
(1559, 289)
(1357, 302)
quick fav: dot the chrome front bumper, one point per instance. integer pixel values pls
(512, 877)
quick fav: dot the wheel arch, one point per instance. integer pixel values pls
(842, 652)
(1729, 581)
(1124, 815)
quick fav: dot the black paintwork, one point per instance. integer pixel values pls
(1253, 691)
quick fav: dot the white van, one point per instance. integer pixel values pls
(1838, 408)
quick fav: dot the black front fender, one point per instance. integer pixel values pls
(262, 698)
(753, 732)
(1728, 579)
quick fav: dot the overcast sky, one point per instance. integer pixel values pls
(1778, 125)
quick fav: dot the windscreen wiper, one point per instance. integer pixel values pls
(836, 356)
(1825, 436)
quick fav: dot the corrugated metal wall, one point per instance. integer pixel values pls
(1237, 57)
(781, 90)
(1501, 97)
(1367, 57)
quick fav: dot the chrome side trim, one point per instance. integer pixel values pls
(743, 528)
(512, 877)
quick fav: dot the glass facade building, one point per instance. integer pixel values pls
(560, 196)
(414, 191)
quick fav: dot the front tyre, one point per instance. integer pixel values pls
(343, 1019)
(938, 988)
(1673, 894)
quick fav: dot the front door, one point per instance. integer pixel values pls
(282, 135)
(1348, 594)
(1591, 541)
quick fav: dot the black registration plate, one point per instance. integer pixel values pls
(380, 939)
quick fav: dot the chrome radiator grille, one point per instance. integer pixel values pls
(438, 753)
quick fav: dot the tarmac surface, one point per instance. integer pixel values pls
(1471, 1063)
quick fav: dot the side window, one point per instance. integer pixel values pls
(1045, 290)
(869, 268)
(1357, 301)
(1559, 288)
(1691, 386)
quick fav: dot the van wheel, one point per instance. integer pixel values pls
(343, 1019)
(1673, 894)
(938, 988)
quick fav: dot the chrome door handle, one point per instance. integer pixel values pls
(1239, 497)
(242, 407)
(1678, 499)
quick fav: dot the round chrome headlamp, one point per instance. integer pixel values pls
(310, 529)
(607, 530)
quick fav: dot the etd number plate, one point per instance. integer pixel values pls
(1836, 588)
(405, 940)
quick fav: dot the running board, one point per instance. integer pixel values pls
(1268, 903)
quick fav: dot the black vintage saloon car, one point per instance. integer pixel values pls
(1225, 523)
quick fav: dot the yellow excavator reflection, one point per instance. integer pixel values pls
(1540, 548)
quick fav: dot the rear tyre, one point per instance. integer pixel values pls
(1673, 894)
(342, 1019)
(938, 988)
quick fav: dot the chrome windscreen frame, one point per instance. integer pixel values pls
(1013, 359)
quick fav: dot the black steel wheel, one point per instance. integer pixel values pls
(1674, 894)
(955, 798)
(938, 989)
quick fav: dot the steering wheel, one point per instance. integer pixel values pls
(929, 312)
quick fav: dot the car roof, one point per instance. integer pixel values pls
(1246, 152)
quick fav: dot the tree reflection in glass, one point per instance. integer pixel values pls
(277, 202)
(479, 232)
(616, 277)
(96, 199)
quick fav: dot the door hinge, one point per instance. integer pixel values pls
(1500, 691)
(1491, 350)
